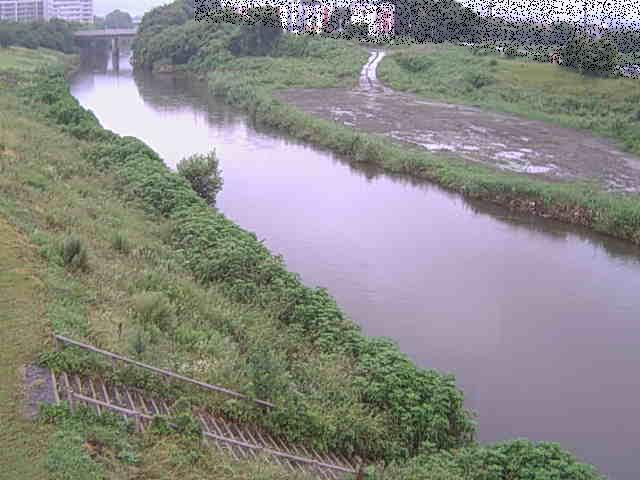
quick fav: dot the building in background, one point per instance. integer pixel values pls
(378, 16)
(21, 10)
(69, 10)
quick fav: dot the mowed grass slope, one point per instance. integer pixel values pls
(606, 106)
(26, 60)
(23, 327)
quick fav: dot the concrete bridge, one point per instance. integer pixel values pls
(113, 34)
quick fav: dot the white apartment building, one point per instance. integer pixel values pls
(21, 10)
(32, 10)
(69, 10)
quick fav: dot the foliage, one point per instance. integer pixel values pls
(259, 32)
(118, 19)
(202, 171)
(54, 34)
(74, 254)
(599, 56)
(514, 460)
(81, 436)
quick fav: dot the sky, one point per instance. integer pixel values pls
(134, 7)
(541, 9)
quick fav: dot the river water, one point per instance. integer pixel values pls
(539, 321)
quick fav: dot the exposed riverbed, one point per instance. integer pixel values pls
(539, 321)
(504, 141)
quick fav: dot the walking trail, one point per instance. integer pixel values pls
(505, 141)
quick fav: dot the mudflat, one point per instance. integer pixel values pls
(507, 142)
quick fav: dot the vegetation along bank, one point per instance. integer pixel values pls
(224, 51)
(133, 260)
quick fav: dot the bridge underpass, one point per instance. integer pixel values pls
(87, 37)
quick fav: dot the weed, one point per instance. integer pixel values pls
(120, 243)
(74, 254)
(153, 309)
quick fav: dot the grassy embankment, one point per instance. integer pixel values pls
(195, 293)
(605, 106)
(48, 191)
(249, 82)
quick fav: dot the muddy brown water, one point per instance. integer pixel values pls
(504, 141)
(539, 321)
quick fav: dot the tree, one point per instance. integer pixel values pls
(339, 20)
(118, 19)
(591, 56)
(260, 31)
(204, 175)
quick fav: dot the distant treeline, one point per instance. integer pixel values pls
(54, 34)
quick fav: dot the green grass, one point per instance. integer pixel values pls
(605, 106)
(26, 60)
(23, 336)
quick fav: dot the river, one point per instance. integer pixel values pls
(538, 321)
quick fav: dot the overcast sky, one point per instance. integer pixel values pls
(543, 9)
(134, 7)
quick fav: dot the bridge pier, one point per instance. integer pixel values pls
(116, 54)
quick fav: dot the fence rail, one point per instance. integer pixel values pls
(166, 373)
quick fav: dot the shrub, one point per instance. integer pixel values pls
(591, 56)
(204, 175)
(120, 243)
(74, 254)
(356, 31)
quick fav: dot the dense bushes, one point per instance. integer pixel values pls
(516, 460)
(54, 34)
(599, 56)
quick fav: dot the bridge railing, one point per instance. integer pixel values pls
(61, 340)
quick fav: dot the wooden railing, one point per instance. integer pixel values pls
(59, 339)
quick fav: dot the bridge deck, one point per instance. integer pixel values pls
(107, 33)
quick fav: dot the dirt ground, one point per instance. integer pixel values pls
(505, 141)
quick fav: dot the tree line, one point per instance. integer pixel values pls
(54, 34)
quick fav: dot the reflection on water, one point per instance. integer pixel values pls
(537, 320)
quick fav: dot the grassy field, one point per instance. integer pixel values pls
(20, 59)
(606, 106)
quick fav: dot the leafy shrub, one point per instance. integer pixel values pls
(74, 254)
(599, 56)
(204, 175)
(515, 460)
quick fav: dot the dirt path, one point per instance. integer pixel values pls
(505, 141)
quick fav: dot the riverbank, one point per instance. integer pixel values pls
(147, 237)
(251, 83)
(118, 205)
